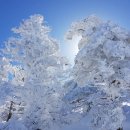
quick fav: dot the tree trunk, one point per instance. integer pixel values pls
(10, 113)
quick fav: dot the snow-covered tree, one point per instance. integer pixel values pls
(33, 75)
(37, 71)
(103, 62)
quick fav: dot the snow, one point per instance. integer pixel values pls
(39, 90)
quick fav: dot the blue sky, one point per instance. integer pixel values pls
(59, 14)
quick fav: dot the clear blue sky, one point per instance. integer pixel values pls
(59, 14)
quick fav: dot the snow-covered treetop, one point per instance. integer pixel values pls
(34, 26)
(35, 50)
(94, 26)
(104, 53)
